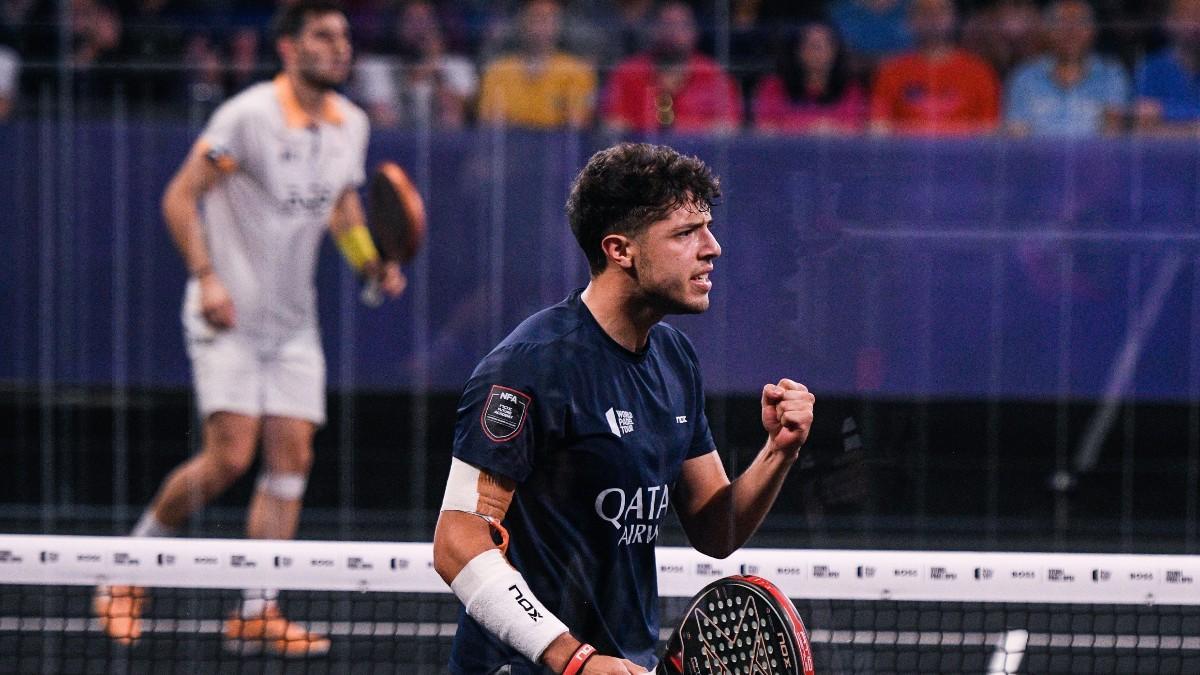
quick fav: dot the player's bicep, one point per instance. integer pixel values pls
(201, 170)
(474, 504)
(478, 491)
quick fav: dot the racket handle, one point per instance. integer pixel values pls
(371, 295)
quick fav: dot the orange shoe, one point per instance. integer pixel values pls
(119, 609)
(272, 633)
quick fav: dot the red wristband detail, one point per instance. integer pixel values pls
(580, 657)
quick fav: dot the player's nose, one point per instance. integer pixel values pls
(710, 248)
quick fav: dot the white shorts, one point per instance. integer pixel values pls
(239, 373)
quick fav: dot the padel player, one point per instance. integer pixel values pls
(275, 167)
(586, 424)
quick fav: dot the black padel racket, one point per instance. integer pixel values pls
(739, 625)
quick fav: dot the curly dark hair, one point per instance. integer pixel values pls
(289, 20)
(623, 189)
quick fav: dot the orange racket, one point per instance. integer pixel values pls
(396, 218)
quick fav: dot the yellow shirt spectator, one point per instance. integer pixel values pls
(558, 91)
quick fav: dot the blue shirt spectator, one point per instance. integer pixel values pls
(1168, 83)
(873, 28)
(1038, 103)
(1175, 87)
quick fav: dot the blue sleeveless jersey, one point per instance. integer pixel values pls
(594, 436)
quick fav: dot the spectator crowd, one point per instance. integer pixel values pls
(940, 67)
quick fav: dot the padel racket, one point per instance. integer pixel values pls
(396, 217)
(739, 625)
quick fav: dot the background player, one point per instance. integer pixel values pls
(582, 427)
(275, 167)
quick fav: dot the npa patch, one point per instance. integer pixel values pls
(503, 415)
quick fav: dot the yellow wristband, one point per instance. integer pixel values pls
(356, 246)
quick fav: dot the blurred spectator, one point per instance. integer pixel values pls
(938, 88)
(539, 86)
(206, 71)
(672, 86)
(629, 28)
(1073, 91)
(585, 28)
(1168, 82)
(872, 29)
(422, 85)
(153, 39)
(1004, 33)
(754, 29)
(247, 62)
(95, 31)
(10, 68)
(812, 91)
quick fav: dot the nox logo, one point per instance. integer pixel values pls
(1101, 575)
(399, 564)
(49, 556)
(165, 559)
(983, 573)
(525, 603)
(865, 572)
(283, 561)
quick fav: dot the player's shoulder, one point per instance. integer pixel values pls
(548, 329)
(258, 98)
(351, 111)
(665, 336)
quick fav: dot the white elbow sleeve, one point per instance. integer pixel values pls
(498, 597)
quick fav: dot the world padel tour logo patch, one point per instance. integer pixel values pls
(503, 416)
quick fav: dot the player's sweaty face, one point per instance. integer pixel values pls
(674, 258)
(323, 50)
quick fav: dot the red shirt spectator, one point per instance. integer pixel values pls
(938, 88)
(704, 97)
(957, 93)
(672, 86)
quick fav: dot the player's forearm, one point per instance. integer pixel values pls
(183, 221)
(735, 512)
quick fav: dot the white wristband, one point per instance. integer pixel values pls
(498, 597)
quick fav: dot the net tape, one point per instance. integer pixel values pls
(801, 573)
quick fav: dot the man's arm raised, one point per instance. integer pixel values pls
(718, 515)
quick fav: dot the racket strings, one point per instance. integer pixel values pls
(732, 636)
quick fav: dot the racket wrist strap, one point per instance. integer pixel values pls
(356, 246)
(579, 659)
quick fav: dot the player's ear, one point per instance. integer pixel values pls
(617, 248)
